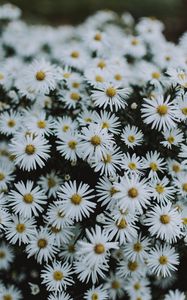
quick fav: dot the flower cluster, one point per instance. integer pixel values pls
(93, 159)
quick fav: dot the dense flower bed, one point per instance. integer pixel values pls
(93, 160)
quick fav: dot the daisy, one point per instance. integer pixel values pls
(153, 163)
(138, 288)
(105, 191)
(30, 151)
(95, 142)
(165, 222)
(57, 276)
(162, 260)
(6, 256)
(41, 245)
(50, 183)
(182, 105)
(69, 145)
(71, 98)
(75, 200)
(56, 217)
(175, 295)
(10, 292)
(97, 250)
(132, 164)
(161, 191)
(178, 76)
(27, 199)
(172, 137)
(39, 123)
(183, 153)
(64, 125)
(137, 249)
(59, 296)
(5, 218)
(132, 136)
(96, 77)
(107, 120)
(111, 95)
(133, 194)
(174, 167)
(9, 122)
(160, 113)
(62, 235)
(115, 286)
(96, 293)
(128, 268)
(6, 176)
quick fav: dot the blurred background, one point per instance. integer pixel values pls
(172, 12)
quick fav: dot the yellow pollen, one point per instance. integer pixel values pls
(105, 125)
(164, 219)
(115, 285)
(182, 76)
(111, 92)
(171, 139)
(95, 140)
(118, 77)
(76, 199)
(132, 166)
(42, 243)
(162, 110)
(159, 188)
(11, 123)
(101, 64)
(71, 248)
(88, 120)
(167, 58)
(137, 247)
(72, 145)
(30, 149)
(75, 85)
(107, 159)
(99, 249)
(99, 78)
(184, 111)
(54, 229)
(75, 96)
(20, 228)
(132, 265)
(51, 182)
(184, 187)
(28, 198)
(2, 176)
(41, 124)
(40, 75)
(135, 42)
(133, 192)
(156, 75)
(122, 224)
(67, 75)
(75, 54)
(176, 168)
(131, 138)
(95, 296)
(153, 166)
(137, 286)
(113, 191)
(1, 76)
(65, 128)
(61, 214)
(58, 276)
(2, 254)
(184, 220)
(7, 297)
(98, 37)
(163, 260)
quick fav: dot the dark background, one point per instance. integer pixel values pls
(172, 12)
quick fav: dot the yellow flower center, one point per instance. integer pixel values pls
(28, 198)
(184, 111)
(88, 120)
(182, 76)
(42, 243)
(65, 128)
(159, 188)
(2, 176)
(2, 254)
(75, 85)
(20, 228)
(71, 248)
(40, 75)
(95, 296)
(107, 159)
(110, 91)
(153, 166)
(115, 285)
(30, 149)
(137, 286)
(7, 297)
(113, 191)
(105, 125)
(133, 192)
(1, 76)
(132, 265)
(76, 199)
(99, 249)
(101, 64)
(132, 166)
(122, 224)
(131, 138)
(163, 260)
(167, 58)
(51, 182)
(156, 75)
(54, 229)
(67, 75)
(184, 220)
(118, 77)
(95, 140)
(11, 123)
(58, 276)
(72, 145)
(134, 42)
(171, 139)
(99, 78)
(41, 124)
(162, 110)
(176, 168)
(164, 219)
(137, 247)
(75, 96)
(184, 187)
(98, 37)
(75, 54)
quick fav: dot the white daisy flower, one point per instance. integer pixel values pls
(115, 286)
(138, 288)
(107, 120)
(75, 200)
(10, 122)
(161, 191)
(69, 146)
(10, 292)
(160, 113)
(132, 164)
(30, 151)
(64, 125)
(6, 256)
(128, 268)
(39, 123)
(175, 295)
(99, 293)
(56, 217)
(105, 191)
(172, 137)
(137, 249)
(180, 183)
(27, 200)
(6, 176)
(109, 95)
(153, 163)
(165, 222)
(60, 296)
(57, 276)
(50, 183)
(162, 260)
(132, 136)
